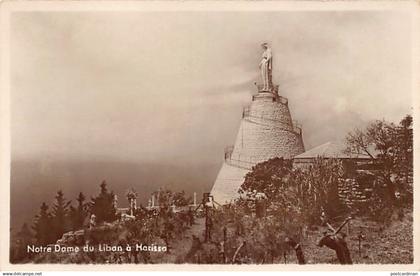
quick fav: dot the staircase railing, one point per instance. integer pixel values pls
(297, 127)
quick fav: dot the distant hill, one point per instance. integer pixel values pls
(33, 182)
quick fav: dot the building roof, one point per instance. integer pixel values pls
(330, 150)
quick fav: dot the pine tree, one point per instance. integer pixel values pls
(60, 218)
(73, 217)
(81, 210)
(102, 206)
(42, 226)
(23, 238)
(25, 234)
(78, 215)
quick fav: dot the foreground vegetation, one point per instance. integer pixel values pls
(284, 215)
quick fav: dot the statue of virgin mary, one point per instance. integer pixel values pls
(265, 66)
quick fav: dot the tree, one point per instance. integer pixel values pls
(391, 147)
(322, 180)
(404, 155)
(78, 215)
(180, 199)
(102, 205)
(267, 177)
(42, 226)
(21, 241)
(297, 195)
(60, 215)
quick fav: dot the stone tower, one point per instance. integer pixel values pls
(266, 131)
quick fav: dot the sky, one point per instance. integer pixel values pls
(169, 87)
(133, 85)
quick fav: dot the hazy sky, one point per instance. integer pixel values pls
(150, 99)
(169, 87)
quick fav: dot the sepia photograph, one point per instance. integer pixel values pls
(211, 136)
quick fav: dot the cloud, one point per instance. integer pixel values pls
(136, 85)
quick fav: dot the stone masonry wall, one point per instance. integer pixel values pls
(351, 193)
(266, 131)
(259, 142)
(228, 182)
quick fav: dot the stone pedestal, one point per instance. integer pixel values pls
(266, 131)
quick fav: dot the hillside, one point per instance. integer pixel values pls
(388, 245)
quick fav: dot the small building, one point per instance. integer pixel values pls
(355, 187)
(329, 150)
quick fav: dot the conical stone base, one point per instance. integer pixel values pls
(266, 131)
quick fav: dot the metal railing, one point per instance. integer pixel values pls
(283, 100)
(297, 128)
(240, 164)
(246, 162)
(272, 88)
(228, 152)
(246, 111)
(276, 98)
